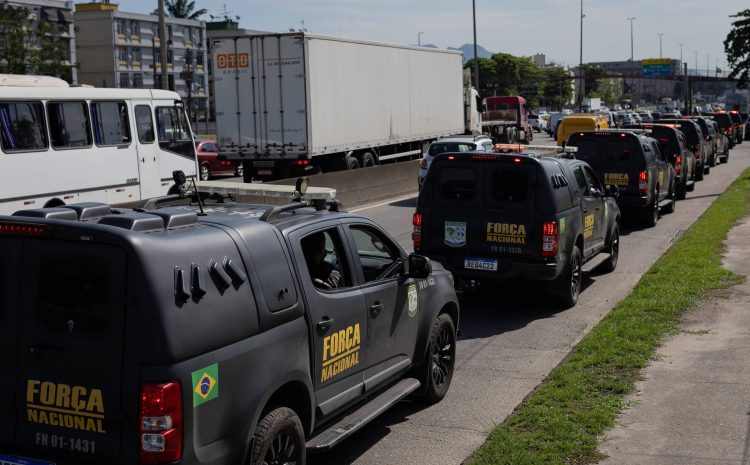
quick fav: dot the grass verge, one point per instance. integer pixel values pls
(560, 422)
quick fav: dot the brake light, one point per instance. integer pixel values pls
(27, 230)
(516, 160)
(416, 234)
(226, 163)
(550, 239)
(161, 422)
(451, 157)
(303, 162)
(643, 182)
(678, 164)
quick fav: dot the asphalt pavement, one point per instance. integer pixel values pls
(511, 339)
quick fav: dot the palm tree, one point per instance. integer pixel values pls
(184, 9)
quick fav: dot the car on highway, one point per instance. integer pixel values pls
(726, 125)
(626, 118)
(554, 121)
(646, 116)
(722, 141)
(739, 126)
(458, 143)
(696, 142)
(579, 122)
(633, 161)
(537, 122)
(673, 145)
(501, 217)
(222, 333)
(209, 163)
(712, 141)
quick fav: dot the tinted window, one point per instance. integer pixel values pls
(509, 184)
(110, 123)
(586, 149)
(69, 124)
(457, 183)
(172, 124)
(620, 150)
(73, 294)
(22, 126)
(668, 144)
(144, 124)
(446, 147)
(326, 260)
(581, 180)
(376, 253)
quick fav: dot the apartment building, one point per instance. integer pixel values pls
(120, 49)
(59, 13)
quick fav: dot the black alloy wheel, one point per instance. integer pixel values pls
(441, 360)
(279, 439)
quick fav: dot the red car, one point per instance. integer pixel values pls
(209, 163)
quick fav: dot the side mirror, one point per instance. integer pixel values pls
(612, 191)
(418, 266)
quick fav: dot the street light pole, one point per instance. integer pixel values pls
(681, 45)
(583, 74)
(708, 69)
(419, 38)
(661, 34)
(696, 62)
(631, 37)
(163, 47)
(476, 58)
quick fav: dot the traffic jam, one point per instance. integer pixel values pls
(165, 317)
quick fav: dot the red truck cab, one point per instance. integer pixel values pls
(511, 116)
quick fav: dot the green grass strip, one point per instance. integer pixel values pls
(561, 421)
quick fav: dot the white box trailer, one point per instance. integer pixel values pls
(291, 103)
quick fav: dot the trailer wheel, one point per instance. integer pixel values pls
(366, 160)
(352, 163)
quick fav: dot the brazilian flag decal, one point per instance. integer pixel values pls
(205, 384)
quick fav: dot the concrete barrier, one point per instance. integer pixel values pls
(366, 185)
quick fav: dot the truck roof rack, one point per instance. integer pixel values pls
(319, 205)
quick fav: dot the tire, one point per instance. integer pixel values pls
(613, 248)
(568, 285)
(366, 160)
(707, 168)
(672, 195)
(279, 432)
(699, 173)
(713, 159)
(204, 173)
(352, 163)
(240, 170)
(651, 212)
(437, 372)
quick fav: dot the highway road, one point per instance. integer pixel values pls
(511, 339)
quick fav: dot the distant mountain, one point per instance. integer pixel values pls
(468, 50)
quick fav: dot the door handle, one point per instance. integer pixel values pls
(44, 350)
(376, 309)
(325, 324)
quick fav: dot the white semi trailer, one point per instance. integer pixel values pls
(289, 104)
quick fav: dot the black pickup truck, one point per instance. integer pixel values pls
(500, 217)
(232, 333)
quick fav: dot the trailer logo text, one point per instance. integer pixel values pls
(232, 60)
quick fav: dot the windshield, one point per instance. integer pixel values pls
(447, 147)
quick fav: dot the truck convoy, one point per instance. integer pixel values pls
(298, 103)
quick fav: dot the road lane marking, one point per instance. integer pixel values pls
(386, 202)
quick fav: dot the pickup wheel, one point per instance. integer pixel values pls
(699, 171)
(279, 439)
(613, 249)
(567, 287)
(437, 372)
(650, 214)
(672, 195)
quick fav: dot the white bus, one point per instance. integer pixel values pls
(62, 145)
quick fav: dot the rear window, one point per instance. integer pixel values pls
(459, 184)
(446, 147)
(73, 294)
(619, 150)
(509, 184)
(723, 120)
(668, 144)
(586, 149)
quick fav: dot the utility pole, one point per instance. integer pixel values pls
(163, 47)
(476, 58)
(708, 69)
(631, 37)
(661, 34)
(696, 62)
(583, 74)
(681, 45)
(419, 38)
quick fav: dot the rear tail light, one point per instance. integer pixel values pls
(550, 239)
(643, 182)
(161, 422)
(416, 234)
(303, 162)
(678, 164)
(28, 230)
(423, 163)
(226, 163)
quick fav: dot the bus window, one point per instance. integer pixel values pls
(68, 124)
(174, 131)
(144, 124)
(110, 123)
(22, 126)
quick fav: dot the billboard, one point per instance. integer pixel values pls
(656, 67)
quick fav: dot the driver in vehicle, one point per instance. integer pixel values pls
(323, 274)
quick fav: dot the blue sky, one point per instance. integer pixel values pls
(520, 28)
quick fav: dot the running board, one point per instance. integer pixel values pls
(665, 202)
(594, 262)
(355, 420)
(689, 183)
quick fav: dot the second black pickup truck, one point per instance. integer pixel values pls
(499, 217)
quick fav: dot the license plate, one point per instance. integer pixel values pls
(14, 460)
(265, 172)
(264, 164)
(480, 264)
